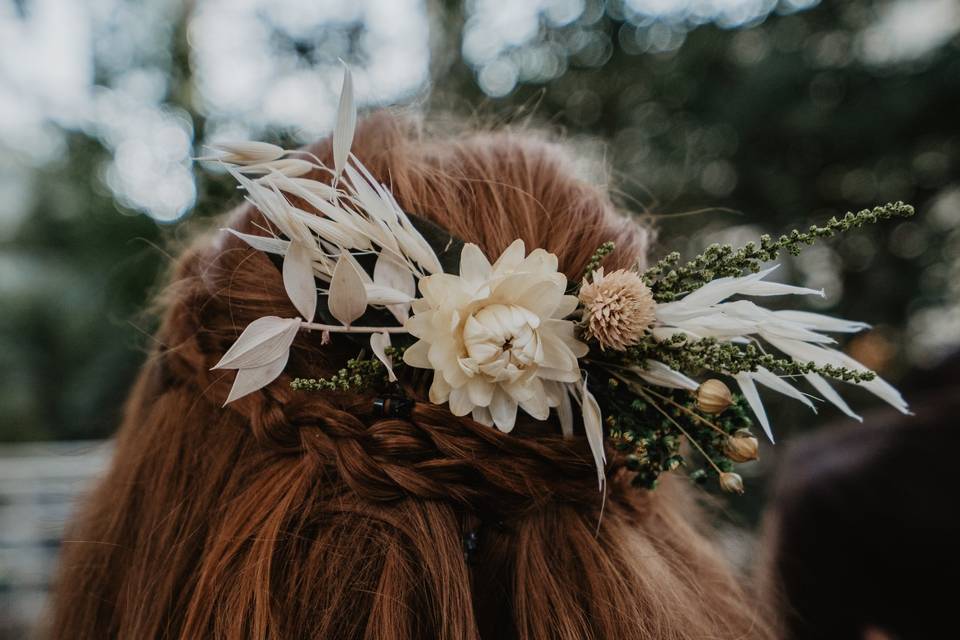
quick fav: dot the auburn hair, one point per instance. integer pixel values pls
(292, 514)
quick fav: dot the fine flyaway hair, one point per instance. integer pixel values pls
(290, 514)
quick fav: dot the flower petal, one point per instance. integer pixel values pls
(536, 402)
(481, 391)
(568, 304)
(460, 404)
(503, 410)
(474, 266)
(439, 390)
(564, 329)
(510, 259)
(482, 415)
(416, 355)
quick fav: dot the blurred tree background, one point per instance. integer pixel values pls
(723, 118)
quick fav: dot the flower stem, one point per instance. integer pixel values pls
(681, 429)
(333, 328)
(692, 414)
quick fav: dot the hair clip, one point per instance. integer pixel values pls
(471, 542)
(393, 407)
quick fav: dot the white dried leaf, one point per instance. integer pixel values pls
(346, 123)
(299, 186)
(327, 230)
(263, 341)
(298, 279)
(263, 243)
(348, 297)
(772, 381)
(749, 391)
(830, 394)
(364, 276)
(655, 372)
(386, 296)
(593, 426)
(379, 343)
(390, 272)
(250, 380)
(565, 412)
(246, 152)
(290, 167)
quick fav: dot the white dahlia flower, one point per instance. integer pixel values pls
(496, 337)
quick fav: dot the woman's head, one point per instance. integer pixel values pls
(292, 514)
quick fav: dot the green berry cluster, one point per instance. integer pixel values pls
(682, 354)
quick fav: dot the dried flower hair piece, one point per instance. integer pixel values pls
(624, 347)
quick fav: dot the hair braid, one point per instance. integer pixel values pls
(431, 455)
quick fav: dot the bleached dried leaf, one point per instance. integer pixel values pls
(593, 426)
(565, 412)
(772, 381)
(831, 395)
(379, 343)
(327, 230)
(749, 391)
(364, 276)
(263, 243)
(271, 203)
(290, 167)
(655, 372)
(298, 279)
(250, 380)
(386, 296)
(390, 272)
(263, 341)
(299, 186)
(348, 297)
(346, 123)
(246, 152)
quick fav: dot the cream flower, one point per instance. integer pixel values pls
(496, 336)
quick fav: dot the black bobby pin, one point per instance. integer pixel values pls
(393, 407)
(471, 542)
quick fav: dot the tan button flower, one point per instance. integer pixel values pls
(618, 308)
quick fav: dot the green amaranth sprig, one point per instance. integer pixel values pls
(730, 358)
(597, 258)
(360, 374)
(669, 280)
